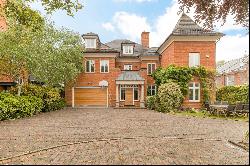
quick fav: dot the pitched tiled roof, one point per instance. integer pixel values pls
(186, 26)
(130, 76)
(116, 44)
(233, 65)
(151, 51)
(138, 50)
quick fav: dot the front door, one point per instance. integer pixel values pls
(129, 96)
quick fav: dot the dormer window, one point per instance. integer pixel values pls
(128, 50)
(90, 43)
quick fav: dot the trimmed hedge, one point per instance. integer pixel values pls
(50, 96)
(12, 106)
(233, 94)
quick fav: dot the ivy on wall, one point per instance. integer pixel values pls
(183, 75)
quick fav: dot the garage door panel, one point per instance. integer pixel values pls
(91, 97)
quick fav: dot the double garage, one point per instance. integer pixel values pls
(90, 97)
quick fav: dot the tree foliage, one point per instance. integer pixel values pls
(19, 11)
(52, 56)
(214, 10)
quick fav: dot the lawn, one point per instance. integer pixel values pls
(204, 114)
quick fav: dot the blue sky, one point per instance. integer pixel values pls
(113, 19)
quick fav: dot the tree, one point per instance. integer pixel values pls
(56, 56)
(19, 11)
(53, 56)
(216, 10)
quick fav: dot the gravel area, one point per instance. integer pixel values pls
(113, 136)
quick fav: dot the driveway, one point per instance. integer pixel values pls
(112, 136)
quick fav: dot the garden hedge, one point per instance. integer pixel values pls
(12, 106)
(50, 96)
(233, 94)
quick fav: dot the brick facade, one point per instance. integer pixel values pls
(186, 38)
(177, 53)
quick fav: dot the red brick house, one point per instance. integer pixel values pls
(117, 74)
(234, 72)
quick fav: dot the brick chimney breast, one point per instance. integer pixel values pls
(145, 39)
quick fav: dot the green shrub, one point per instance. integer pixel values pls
(169, 97)
(233, 94)
(12, 107)
(151, 102)
(51, 96)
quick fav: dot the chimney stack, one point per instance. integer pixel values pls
(145, 39)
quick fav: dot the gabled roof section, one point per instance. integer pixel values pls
(187, 28)
(130, 76)
(233, 65)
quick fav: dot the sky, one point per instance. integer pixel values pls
(126, 19)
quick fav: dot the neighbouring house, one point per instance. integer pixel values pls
(118, 73)
(234, 72)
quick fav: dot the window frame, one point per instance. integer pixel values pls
(90, 66)
(129, 67)
(151, 69)
(87, 45)
(150, 89)
(193, 88)
(104, 66)
(126, 51)
(193, 63)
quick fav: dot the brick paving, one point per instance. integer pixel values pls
(112, 136)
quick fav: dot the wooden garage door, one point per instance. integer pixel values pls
(90, 97)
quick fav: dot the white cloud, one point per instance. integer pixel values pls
(131, 25)
(108, 26)
(232, 47)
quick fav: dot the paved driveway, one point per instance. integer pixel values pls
(109, 136)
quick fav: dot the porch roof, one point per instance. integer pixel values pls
(129, 76)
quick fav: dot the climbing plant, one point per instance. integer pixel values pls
(183, 75)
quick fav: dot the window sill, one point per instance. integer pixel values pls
(194, 101)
